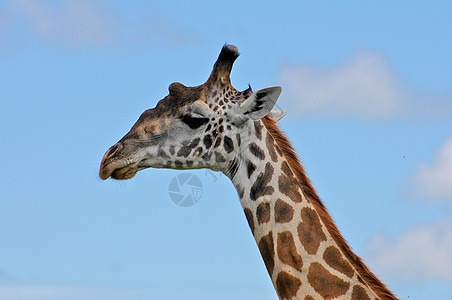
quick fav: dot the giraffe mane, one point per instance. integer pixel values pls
(292, 158)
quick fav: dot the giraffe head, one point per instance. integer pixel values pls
(192, 127)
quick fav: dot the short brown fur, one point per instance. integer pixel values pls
(287, 251)
(326, 284)
(263, 212)
(359, 293)
(283, 212)
(287, 285)
(333, 258)
(267, 249)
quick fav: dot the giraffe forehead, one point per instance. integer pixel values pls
(179, 98)
(218, 97)
(151, 118)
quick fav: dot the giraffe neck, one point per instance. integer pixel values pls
(302, 257)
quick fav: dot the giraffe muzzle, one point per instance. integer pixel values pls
(111, 166)
(119, 165)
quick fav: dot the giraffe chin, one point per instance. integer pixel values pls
(127, 172)
(124, 173)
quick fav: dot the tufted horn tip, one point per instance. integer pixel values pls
(228, 53)
(223, 65)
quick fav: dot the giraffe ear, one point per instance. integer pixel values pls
(277, 114)
(260, 103)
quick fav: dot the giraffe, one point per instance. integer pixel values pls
(215, 126)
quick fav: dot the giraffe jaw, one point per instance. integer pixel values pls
(118, 170)
(127, 168)
(124, 173)
(121, 170)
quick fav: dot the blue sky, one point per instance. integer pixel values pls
(367, 87)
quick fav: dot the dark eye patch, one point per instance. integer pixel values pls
(193, 123)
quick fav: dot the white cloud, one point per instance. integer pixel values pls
(421, 253)
(74, 23)
(434, 182)
(81, 23)
(364, 87)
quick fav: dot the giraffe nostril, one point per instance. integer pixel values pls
(113, 150)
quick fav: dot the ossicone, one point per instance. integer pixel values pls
(223, 65)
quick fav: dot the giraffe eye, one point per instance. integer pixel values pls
(193, 122)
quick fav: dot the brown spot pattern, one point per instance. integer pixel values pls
(249, 218)
(207, 156)
(258, 129)
(271, 147)
(286, 147)
(250, 167)
(187, 147)
(207, 140)
(267, 249)
(283, 212)
(287, 251)
(308, 298)
(257, 151)
(334, 259)
(288, 185)
(217, 142)
(359, 293)
(260, 187)
(310, 230)
(325, 283)
(287, 285)
(286, 169)
(263, 213)
(162, 153)
(219, 157)
(228, 144)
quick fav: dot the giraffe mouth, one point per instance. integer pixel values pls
(127, 172)
(124, 173)
(121, 171)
